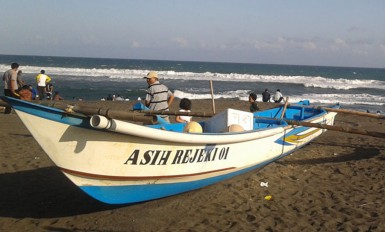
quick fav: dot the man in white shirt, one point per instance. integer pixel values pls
(10, 81)
(277, 98)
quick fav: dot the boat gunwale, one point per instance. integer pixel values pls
(168, 135)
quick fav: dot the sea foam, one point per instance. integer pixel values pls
(307, 81)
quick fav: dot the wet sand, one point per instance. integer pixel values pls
(337, 183)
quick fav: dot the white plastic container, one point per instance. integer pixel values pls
(221, 122)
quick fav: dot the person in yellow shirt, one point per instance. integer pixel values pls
(42, 79)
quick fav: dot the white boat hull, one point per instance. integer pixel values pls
(120, 166)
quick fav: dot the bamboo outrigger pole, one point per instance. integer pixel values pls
(343, 111)
(337, 128)
(329, 127)
(285, 107)
(176, 113)
(379, 116)
(212, 95)
(109, 113)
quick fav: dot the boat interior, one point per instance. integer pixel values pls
(221, 123)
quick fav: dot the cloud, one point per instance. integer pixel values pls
(357, 47)
(382, 47)
(181, 42)
(283, 43)
(135, 44)
(356, 29)
(277, 44)
(38, 37)
(309, 45)
(338, 42)
(90, 40)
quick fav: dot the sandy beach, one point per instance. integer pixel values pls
(337, 183)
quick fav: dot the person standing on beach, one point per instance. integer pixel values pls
(158, 97)
(49, 91)
(10, 81)
(20, 82)
(253, 102)
(266, 96)
(42, 79)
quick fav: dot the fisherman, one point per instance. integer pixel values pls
(158, 97)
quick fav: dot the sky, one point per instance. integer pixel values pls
(301, 32)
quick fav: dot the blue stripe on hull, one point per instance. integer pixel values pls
(138, 193)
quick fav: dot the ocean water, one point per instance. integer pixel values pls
(95, 78)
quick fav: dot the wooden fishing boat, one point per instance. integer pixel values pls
(117, 162)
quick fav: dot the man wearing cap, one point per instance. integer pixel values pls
(158, 97)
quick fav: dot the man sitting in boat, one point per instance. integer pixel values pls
(158, 97)
(25, 93)
(184, 106)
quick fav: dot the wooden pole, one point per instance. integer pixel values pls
(329, 127)
(109, 113)
(176, 113)
(349, 130)
(91, 110)
(343, 111)
(212, 95)
(285, 107)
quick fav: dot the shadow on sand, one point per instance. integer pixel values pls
(359, 153)
(44, 193)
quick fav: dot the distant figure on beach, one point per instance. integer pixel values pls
(49, 91)
(109, 97)
(278, 97)
(266, 96)
(41, 80)
(253, 102)
(184, 106)
(57, 97)
(20, 82)
(25, 93)
(119, 98)
(10, 81)
(158, 96)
